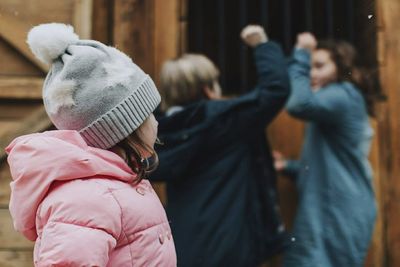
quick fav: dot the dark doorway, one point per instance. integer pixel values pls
(214, 27)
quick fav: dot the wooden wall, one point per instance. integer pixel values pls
(388, 12)
(136, 27)
(21, 110)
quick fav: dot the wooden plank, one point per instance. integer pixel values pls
(389, 51)
(17, 110)
(82, 18)
(166, 46)
(383, 138)
(16, 35)
(380, 24)
(11, 239)
(102, 21)
(21, 87)
(376, 251)
(12, 63)
(133, 31)
(39, 11)
(16, 258)
(38, 121)
(166, 39)
(22, 15)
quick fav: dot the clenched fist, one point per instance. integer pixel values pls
(253, 35)
(307, 41)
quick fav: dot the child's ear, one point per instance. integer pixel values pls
(210, 93)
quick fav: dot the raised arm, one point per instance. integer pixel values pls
(258, 107)
(324, 106)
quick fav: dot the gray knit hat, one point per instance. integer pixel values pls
(92, 88)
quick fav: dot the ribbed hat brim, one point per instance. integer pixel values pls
(123, 119)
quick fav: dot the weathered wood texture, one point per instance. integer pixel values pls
(102, 22)
(21, 88)
(21, 109)
(135, 27)
(388, 18)
(23, 14)
(37, 121)
(376, 252)
(133, 31)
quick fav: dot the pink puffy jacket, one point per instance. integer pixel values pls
(79, 205)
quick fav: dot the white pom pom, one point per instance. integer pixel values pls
(49, 41)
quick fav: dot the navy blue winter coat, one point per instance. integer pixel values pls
(221, 185)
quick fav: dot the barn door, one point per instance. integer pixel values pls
(21, 109)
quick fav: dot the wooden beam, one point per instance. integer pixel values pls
(166, 46)
(14, 31)
(389, 123)
(38, 121)
(133, 31)
(16, 35)
(82, 18)
(16, 110)
(21, 88)
(376, 253)
(102, 21)
(166, 39)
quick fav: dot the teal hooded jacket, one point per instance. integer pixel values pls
(336, 208)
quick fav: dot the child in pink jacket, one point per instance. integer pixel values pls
(80, 191)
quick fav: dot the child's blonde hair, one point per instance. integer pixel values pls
(183, 80)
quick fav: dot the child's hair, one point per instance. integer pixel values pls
(140, 165)
(345, 58)
(182, 80)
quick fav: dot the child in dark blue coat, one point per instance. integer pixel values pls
(336, 210)
(221, 184)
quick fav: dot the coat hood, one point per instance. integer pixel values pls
(39, 160)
